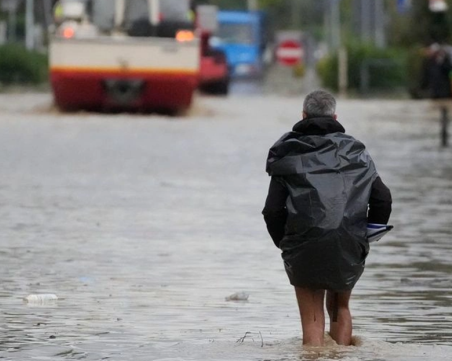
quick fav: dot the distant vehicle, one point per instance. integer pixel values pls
(242, 36)
(125, 54)
(214, 71)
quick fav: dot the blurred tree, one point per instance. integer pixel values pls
(270, 3)
(419, 26)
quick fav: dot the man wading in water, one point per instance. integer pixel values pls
(324, 190)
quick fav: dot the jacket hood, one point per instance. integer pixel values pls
(318, 126)
(315, 145)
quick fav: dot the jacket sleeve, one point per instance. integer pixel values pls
(380, 203)
(275, 212)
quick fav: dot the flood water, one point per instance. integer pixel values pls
(143, 225)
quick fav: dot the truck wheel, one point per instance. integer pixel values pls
(218, 88)
(66, 108)
(223, 87)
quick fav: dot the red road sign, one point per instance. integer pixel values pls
(289, 52)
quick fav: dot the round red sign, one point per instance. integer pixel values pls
(289, 52)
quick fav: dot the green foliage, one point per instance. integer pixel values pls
(416, 57)
(269, 3)
(20, 66)
(328, 71)
(387, 67)
(419, 26)
(299, 71)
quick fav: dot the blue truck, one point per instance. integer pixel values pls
(242, 37)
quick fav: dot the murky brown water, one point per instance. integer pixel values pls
(142, 225)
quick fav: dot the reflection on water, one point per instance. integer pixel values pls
(247, 87)
(142, 226)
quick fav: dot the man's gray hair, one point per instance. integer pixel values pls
(319, 103)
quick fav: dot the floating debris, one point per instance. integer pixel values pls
(41, 298)
(238, 296)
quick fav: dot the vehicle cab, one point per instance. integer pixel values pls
(128, 54)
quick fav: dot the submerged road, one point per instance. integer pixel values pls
(143, 224)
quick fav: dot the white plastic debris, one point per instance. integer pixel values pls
(41, 298)
(238, 296)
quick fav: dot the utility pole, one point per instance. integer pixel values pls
(29, 25)
(48, 13)
(333, 25)
(379, 24)
(253, 5)
(341, 49)
(327, 23)
(10, 6)
(295, 7)
(12, 20)
(370, 21)
(366, 20)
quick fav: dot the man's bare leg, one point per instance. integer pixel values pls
(310, 303)
(337, 304)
